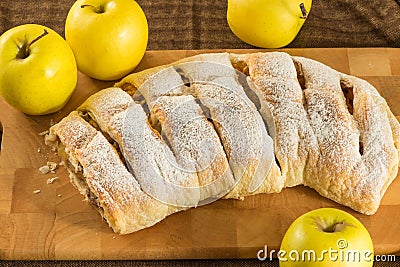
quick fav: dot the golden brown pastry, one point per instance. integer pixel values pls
(99, 174)
(195, 144)
(240, 127)
(212, 79)
(334, 132)
(142, 148)
(177, 136)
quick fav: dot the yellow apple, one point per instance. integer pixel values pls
(38, 71)
(108, 37)
(326, 237)
(267, 24)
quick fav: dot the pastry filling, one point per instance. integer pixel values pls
(129, 88)
(88, 118)
(154, 123)
(78, 179)
(241, 66)
(185, 79)
(300, 75)
(361, 147)
(348, 93)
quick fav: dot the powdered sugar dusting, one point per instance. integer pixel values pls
(275, 82)
(346, 149)
(350, 158)
(116, 190)
(154, 163)
(195, 143)
(239, 125)
(164, 82)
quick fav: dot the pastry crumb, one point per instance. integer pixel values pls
(36, 191)
(44, 133)
(49, 167)
(44, 169)
(52, 165)
(39, 150)
(52, 180)
(50, 138)
(59, 195)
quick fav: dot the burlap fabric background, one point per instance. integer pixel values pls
(201, 24)
(192, 24)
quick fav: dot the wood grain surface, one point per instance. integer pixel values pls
(57, 224)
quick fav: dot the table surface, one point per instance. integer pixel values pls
(202, 25)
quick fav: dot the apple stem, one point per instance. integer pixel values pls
(332, 228)
(303, 11)
(45, 32)
(24, 50)
(95, 8)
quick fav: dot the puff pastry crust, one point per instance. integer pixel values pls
(228, 125)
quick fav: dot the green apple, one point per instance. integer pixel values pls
(326, 237)
(108, 37)
(267, 24)
(38, 71)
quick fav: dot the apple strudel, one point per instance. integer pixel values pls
(228, 125)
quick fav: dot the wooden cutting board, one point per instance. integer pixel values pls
(56, 224)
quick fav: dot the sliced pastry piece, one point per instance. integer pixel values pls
(243, 134)
(273, 78)
(242, 131)
(146, 154)
(340, 144)
(205, 67)
(165, 82)
(195, 144)
(357, 135)
(100, 175)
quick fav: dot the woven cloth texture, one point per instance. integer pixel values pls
(201, 24)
